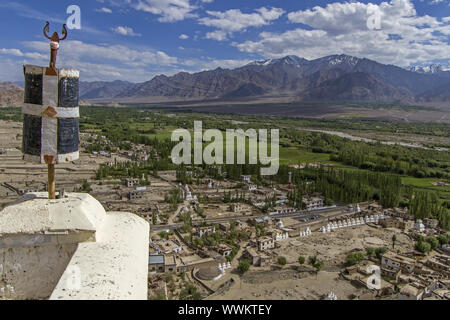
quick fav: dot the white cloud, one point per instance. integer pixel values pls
(233, 20)
(12, 52)
(19, 53)
(270, 14)
(183, 36)
(11, 70)
(125, 31)
(104, 10)
(104, 62)
(168, 10)
(218, 35)
(404, 37)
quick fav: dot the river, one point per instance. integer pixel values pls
(354, 138)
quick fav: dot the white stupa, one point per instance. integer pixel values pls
(419, 226)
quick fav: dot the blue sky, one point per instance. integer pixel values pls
(135, 40)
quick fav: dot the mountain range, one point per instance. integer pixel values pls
(332, 78)
(335, 78)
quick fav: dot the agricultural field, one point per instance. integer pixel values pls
(352, 146)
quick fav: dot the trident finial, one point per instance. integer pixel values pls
(54, 44)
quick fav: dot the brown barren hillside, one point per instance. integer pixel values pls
(11, 95)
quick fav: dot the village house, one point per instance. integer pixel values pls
(224, 250)
(359, 275)
(313, 203)
(264, 219)
(398, 213)
(440, 263)
(265, 243)
(392, 223)
(281, 200)
(135, 195)
(246, 178)
(167, 246)
(170, 264)
(224, 226)
(236, 207)
(391, 273)
(441, 294)
(374, 207)
(155, 248)
(191, 262)
(131, 182)
(156, 263)
(411, 291)
(257, 259)
(142, 156)
(239, 225)
(431, 223)
(205, 230)
(392, 262)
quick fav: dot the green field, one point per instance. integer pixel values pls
(427, 184)
(297, 155)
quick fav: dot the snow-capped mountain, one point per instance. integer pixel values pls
(331, 78)
(288, 60)
(431, 69)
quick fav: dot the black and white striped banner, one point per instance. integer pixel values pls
(51, 112)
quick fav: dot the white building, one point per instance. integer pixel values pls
(266, 243)
(205, 230)
(313, 203)
(131, 182)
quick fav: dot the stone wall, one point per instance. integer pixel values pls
(71, 248)
(32, 272)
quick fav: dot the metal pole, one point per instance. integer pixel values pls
(54, 46)
(51, 181)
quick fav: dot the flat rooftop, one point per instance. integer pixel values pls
(156, 259)
(398, 258)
